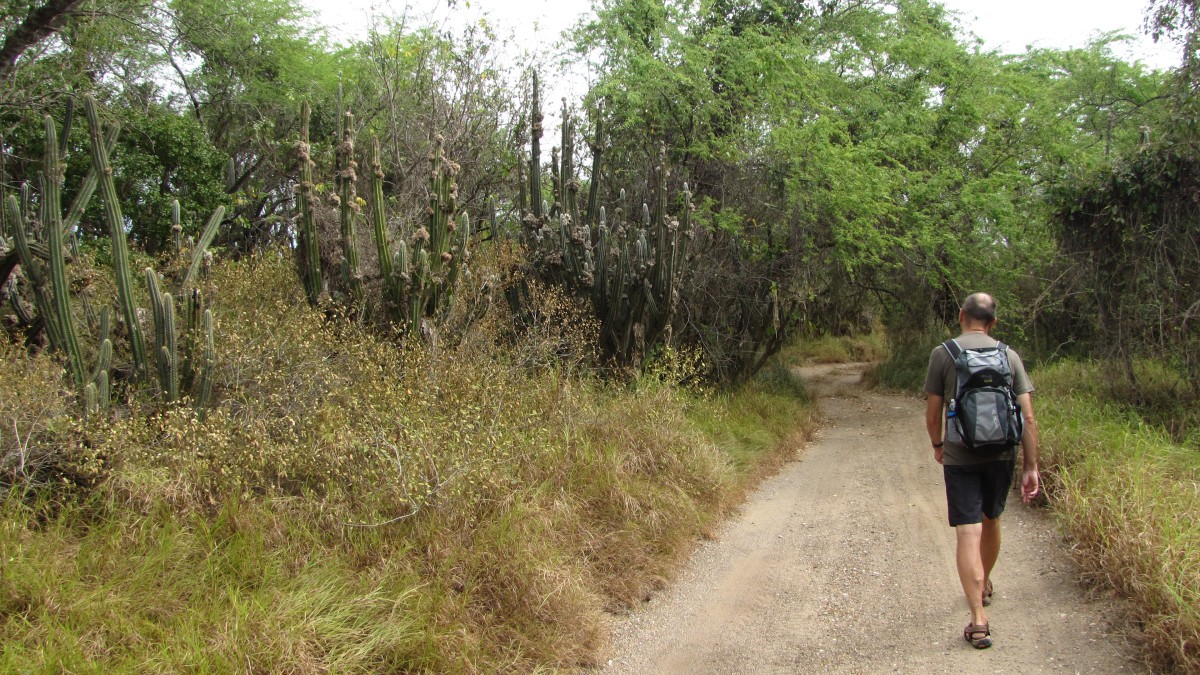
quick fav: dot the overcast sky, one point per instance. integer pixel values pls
(1008, 25)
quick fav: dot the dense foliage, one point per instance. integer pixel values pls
(850, 163)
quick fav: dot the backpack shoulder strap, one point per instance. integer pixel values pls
(953, 348)
(1002, 349)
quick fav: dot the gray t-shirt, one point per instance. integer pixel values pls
(942, 380)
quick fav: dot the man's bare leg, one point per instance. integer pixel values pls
(989, 547)
(970, 568)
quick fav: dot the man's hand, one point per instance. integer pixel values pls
(937, 453)
(1030, 485)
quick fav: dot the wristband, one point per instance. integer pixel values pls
(938, 444)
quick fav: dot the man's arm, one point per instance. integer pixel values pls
(1030, 481)
(933, 423)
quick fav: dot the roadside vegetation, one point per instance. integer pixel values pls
(1123, 480)
(351, 507)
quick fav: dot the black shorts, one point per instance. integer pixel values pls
(977, 490)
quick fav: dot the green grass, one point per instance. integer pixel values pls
(771, 408)
(1126, 490)
(840, 349)
(349, 506)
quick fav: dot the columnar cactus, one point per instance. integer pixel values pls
(120, 246)
(176, 229)
(178, 368)
(392, 284)
(52, 176)
(99, 378)
(308, 256)
(535, 157)
(348, 208)
(49, 278)
(163, 309)
(207, 362)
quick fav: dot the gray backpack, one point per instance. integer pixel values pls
(984, 414)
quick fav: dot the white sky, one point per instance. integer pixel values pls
(1006, 25)
(1011, 25)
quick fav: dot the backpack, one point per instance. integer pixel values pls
(984, 414)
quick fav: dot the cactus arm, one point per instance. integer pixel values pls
(120, 246)
(593, 214)
(535, 156)
(91, 404)
(156, 310)
(176, 229)
(402, 281)
(600, 294)
(439, 198)
(169, 350)
(204, 394)
(621, 211)
(555, 184)
(35, 270)
(166, 352)
(309, 253)
(103, 360)
(348, 207)
(88, 187)
(379, 218)
(52, 221)
(416, 296)
(206, 239)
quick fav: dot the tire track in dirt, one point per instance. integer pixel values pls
(843, 563)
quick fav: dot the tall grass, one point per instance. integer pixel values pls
(350, 506)
(1128, 493)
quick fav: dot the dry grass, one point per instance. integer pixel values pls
(348, 506)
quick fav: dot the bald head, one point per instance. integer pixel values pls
(979, 310)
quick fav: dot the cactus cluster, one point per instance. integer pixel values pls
(45, 267)
(421, 277)
(629, 271)
(178, 368)
(421, 270)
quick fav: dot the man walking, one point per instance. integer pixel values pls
(977, 484)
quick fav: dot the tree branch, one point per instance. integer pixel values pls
(41, 23)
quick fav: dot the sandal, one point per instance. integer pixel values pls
(987, 593)
(979, 635)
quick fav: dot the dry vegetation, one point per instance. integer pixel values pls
(351, 506)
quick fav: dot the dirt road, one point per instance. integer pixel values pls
(843, 563)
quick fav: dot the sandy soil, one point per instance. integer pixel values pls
(843, 562)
